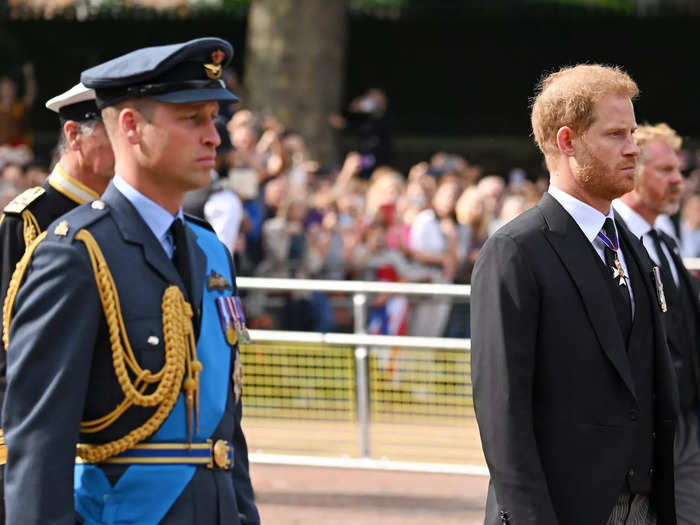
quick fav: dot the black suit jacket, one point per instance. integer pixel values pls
(686, 280)
(553, 390)
(60, 369)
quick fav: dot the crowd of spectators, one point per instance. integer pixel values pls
(284, 215)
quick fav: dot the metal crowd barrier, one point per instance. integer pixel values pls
(405, 399)
(360, 383)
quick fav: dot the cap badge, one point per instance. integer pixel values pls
(218, 56)
(61, 229)
(213, 71)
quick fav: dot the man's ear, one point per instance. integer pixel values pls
(71, 132)
(565, 141)
(130, 121)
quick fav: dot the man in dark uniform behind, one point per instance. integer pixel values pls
(658, 188)
(123, 343)
(82, 173)
(85, 167)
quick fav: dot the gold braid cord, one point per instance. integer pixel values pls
(180, 356)
(13, 288)
(31, 227)
(31, 233)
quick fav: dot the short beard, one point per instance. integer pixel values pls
(670, 208)
(599, 179)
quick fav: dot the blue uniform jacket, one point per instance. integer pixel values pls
(60, 370)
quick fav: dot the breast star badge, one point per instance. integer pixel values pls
(619, 272)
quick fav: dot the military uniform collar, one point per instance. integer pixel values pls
(157, 218)
(71, 187)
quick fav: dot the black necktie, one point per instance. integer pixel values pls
(664, 264)
(181, 256)
(613, 265)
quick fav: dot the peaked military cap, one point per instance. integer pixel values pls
(78, 103)
(185, 72)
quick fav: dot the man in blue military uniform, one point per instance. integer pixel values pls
(119, 349)
(85, 166)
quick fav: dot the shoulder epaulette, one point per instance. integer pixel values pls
(199, 222)
(77, 219)
(24, 199)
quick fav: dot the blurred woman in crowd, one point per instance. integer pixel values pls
(434, 241)
(14, 112)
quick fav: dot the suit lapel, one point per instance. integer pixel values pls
(134, 230)
(666, 405)
(573, 249)
(639, 253)
(685, 280)
(684, 277)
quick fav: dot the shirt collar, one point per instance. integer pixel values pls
(635, 223)
(71, 187)
(155, 216)
(587, 217)
(663, 223)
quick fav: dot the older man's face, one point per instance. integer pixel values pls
(659, 182)
(97, 152)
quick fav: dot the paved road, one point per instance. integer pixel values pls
(319, 495)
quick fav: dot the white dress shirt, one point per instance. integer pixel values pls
(224, 211)
(591, 222)
(640, 229)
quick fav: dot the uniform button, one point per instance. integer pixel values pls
(634, 415)
(630, 472)
(651, 471)
(653, 435)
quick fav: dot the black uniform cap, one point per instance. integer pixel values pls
(185, 72)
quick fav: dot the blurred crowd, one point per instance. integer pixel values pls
(282, 214)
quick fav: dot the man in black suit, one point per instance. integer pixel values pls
(657, 190)
(574, 389)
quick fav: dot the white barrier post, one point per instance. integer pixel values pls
(359, 301)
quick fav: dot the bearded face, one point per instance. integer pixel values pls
(603, 166)
(604, 180)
